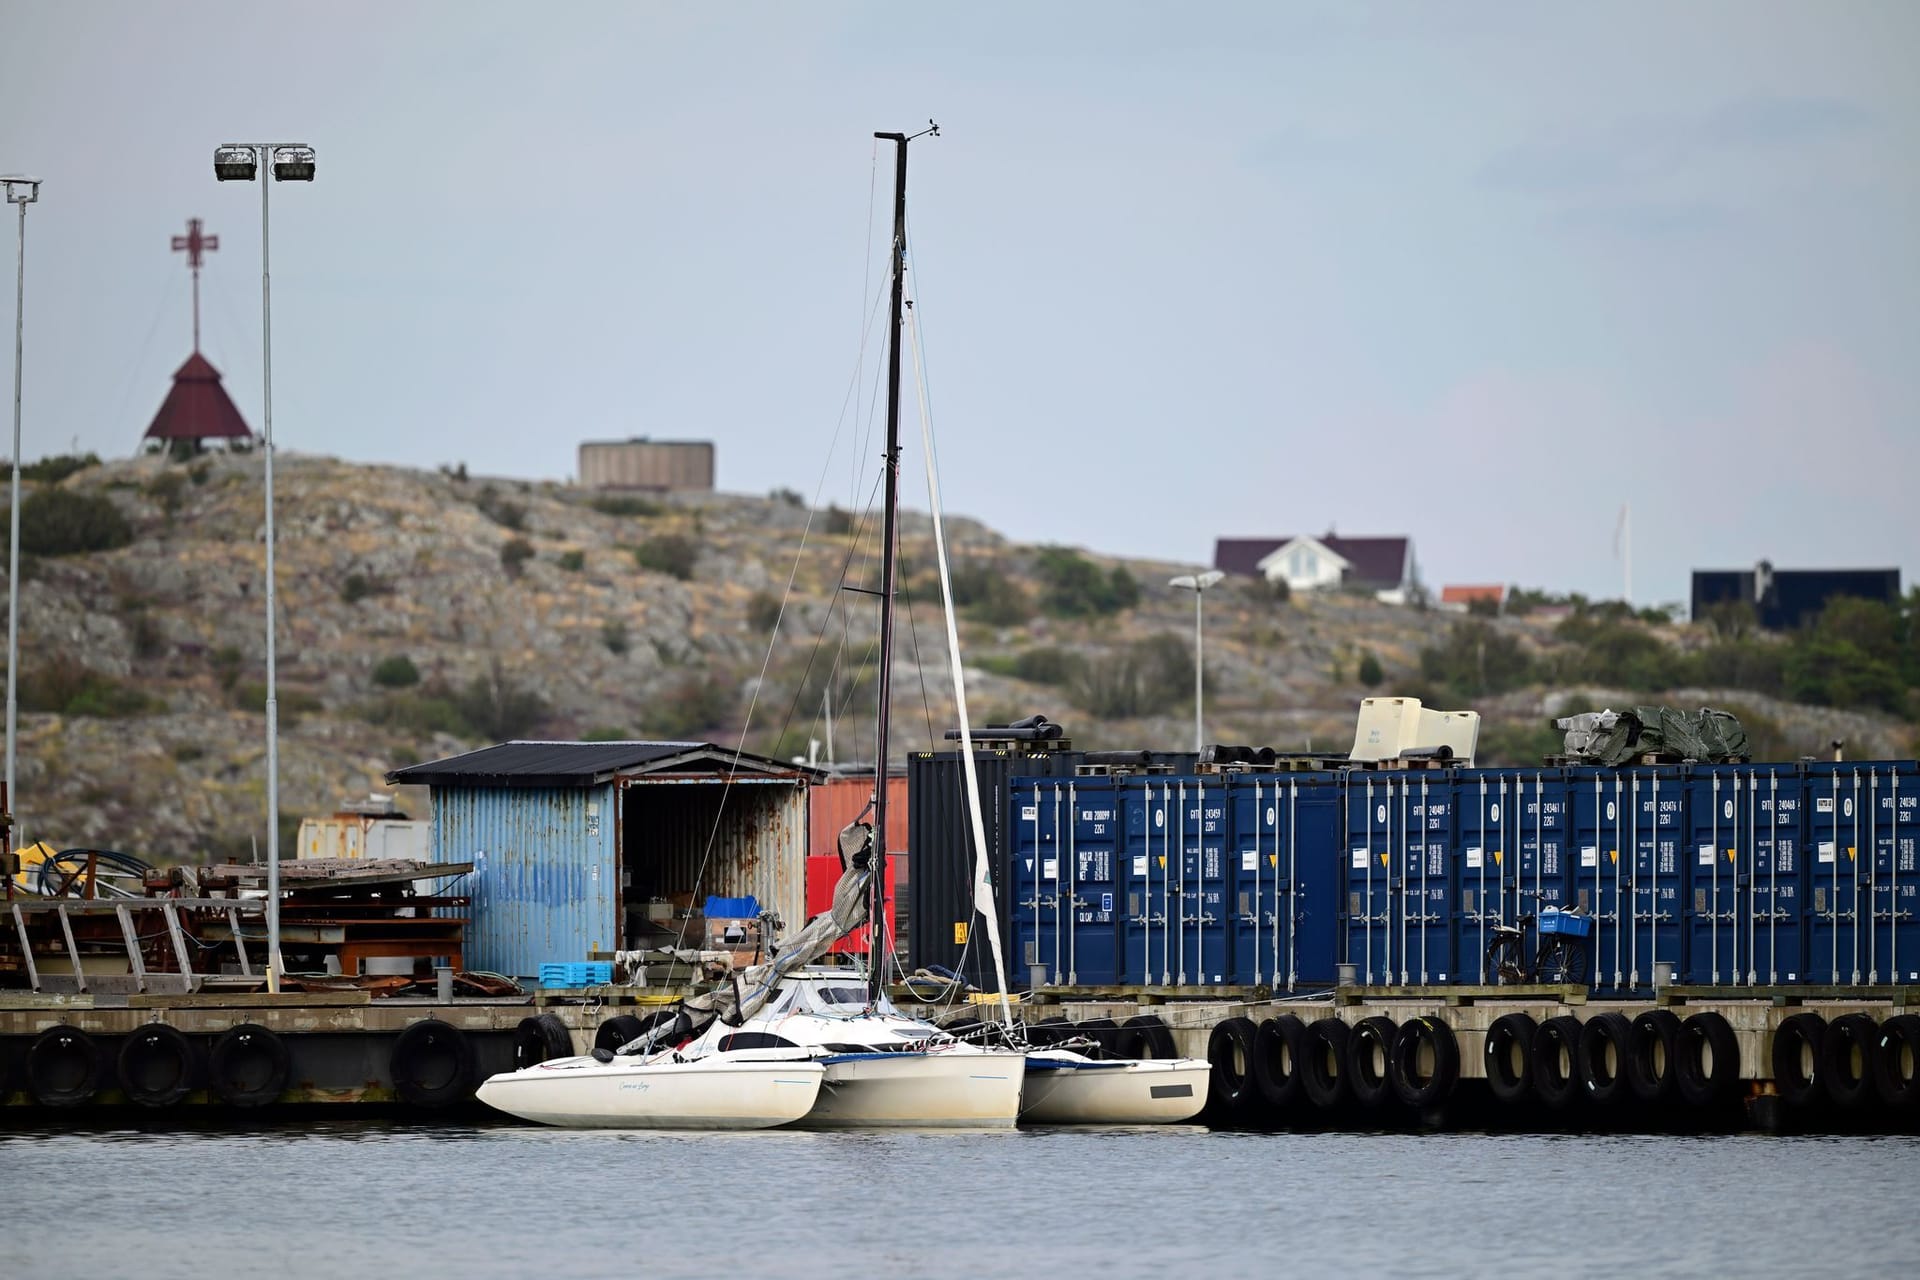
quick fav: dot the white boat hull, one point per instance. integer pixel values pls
(1065, 1088)
(963, 1089)
(708, 1093)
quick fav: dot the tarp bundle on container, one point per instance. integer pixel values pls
(1619, 737)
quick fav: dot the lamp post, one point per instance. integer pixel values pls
(1198, 584)
(290, 162)
(22, 191)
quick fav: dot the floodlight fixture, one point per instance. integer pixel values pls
(21, 189)
(293, 163)
(234, 162)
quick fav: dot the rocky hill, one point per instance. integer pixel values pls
(422, 614)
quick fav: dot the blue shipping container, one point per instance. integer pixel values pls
(1146, 854)
(1744, 874)
(1399, 874)
(1510, 856)
(1064, 890)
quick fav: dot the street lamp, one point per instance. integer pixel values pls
(1198, 584)
(290, 162)
(22, 191)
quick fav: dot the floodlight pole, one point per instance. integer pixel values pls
(263, 155)
(1198, 584)
(23, 192)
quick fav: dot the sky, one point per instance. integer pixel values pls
(1478, 274)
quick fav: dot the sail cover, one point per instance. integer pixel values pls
(745, 993)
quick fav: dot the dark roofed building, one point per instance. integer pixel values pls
(1783, 599)
(1383, 566)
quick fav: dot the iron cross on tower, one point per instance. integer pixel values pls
(195, 244)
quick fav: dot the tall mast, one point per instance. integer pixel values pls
(876, 915)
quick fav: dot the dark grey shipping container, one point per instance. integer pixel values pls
(940, 892)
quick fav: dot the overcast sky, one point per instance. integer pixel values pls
(1473, 273)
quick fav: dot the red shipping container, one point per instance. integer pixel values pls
(823, 872)
(832, 804)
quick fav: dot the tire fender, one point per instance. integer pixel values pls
(1420, 1085)
(1556, 1062)
(1231, 1092)
(1709, 1062)
(541, 1038)
(1604, 1041)
(1896, 1062)
(1279, 1049)
(63, 1067)
(1653, 1047)
(1323, 1071)
(1509, 1057)
(1370, 1061)
(156, 1065)
(432, 1065)
(1795, 1057)
(1850, 1039)
(248, 1066)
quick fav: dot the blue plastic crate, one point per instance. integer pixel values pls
(576, 973)
(1566, 923)
(732, 908)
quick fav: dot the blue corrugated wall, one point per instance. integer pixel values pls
(545, 877)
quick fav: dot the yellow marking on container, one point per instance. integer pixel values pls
(959, 933)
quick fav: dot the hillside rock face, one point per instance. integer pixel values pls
(540, 610)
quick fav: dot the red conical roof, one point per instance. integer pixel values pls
(197, 408)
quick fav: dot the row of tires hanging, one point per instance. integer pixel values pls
(1651, 1066)
(431, 1064)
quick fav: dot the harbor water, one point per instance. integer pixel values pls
(334, 1198)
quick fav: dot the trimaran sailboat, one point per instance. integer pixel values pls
(785, 1042)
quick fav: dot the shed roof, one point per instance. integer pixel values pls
(581, 764)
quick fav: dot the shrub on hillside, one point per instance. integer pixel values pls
(1074, 587)
(692, 707)
(63, 685)
(613, 634)
(1477, 658)
(60, 522)
(573, 561)
(1146, 678)
(501, 510)
(514, 555)
(397, 672)
(624, 504)
(54, 469)
(669, 553)
(1370, 673)
(986, 594)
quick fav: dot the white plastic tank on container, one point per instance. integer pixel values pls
(370, 828)
(1388, 728)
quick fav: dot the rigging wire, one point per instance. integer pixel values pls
(793, 572)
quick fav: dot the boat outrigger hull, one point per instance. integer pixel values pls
(1067, 1088)
(964, 1089)
(709, 1093)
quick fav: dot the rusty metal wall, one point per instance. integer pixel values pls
(544, 884)
(835, 802)
(673, 845)
(647, 464)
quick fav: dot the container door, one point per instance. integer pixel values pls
(1146, 837)
(1836, 805)
(1428, 899)
(1541, 820)
(1201, 927)
(1373, 872)
(1600, 803)
(1039, 815)
(1718, 861)
(1258, 811)
(1487, 895)
(1776, 887)
(1892, 813)
(1311, 892)
(1658, 824)
(1092, 932)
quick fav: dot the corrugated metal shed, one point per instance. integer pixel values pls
(571, 841)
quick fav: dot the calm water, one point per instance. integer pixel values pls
(374, 1200)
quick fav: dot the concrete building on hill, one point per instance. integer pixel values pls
(658, 466)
